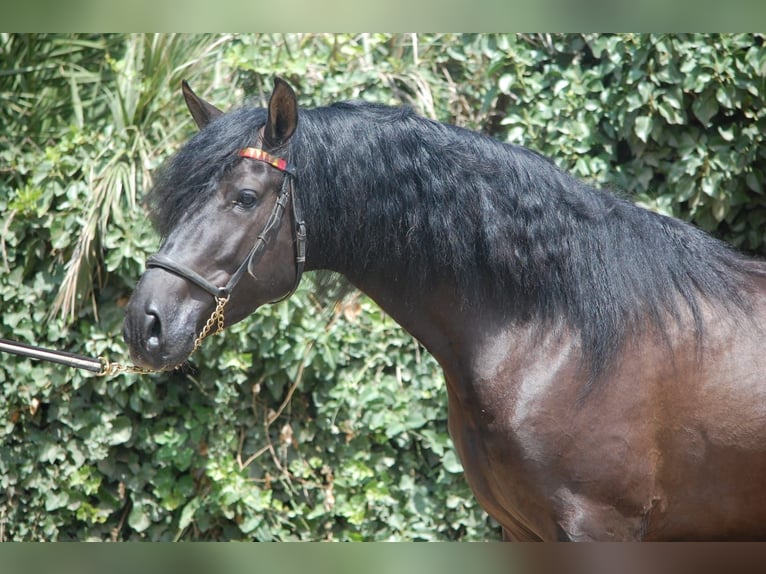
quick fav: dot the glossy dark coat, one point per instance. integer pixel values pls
(604, 364)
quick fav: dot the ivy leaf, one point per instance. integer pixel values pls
(138, 519)
(56, 500)
(643, 127)
(726, 133)
(451, 463)
(723, 95)
(671, 114)
(705, 107)
(122, 429)
(505, 82)
(187, 514)
(753, 181)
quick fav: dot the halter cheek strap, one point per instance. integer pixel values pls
(299, 231)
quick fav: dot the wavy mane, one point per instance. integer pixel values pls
(385, 188)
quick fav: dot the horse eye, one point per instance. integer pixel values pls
(246, 198)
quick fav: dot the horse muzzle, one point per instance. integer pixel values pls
(160, 334)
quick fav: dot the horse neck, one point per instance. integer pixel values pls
(449, 328)
(357, 211)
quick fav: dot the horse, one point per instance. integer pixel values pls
(603, 363)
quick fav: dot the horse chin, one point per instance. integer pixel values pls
(165, 359)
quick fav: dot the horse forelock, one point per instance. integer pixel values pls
(190, 176)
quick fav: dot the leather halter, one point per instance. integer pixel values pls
(272, 225)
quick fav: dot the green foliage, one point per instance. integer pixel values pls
(676, 121)
(309, 420)
(107, 136)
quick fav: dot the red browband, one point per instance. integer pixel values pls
(260, 155)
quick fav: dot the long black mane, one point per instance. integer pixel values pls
(385, 189)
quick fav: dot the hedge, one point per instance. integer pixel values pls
(314, 419)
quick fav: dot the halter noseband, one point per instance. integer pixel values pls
(273, 223)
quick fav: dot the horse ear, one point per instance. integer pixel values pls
(202, 111)
(283, 115)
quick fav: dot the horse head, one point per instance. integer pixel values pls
(224, 241)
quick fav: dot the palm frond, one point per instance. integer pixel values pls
(138, 94)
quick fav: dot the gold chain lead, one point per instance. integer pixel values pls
(215, 320)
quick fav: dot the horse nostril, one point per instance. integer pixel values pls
(153, 329)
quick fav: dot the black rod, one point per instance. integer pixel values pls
(60, 357)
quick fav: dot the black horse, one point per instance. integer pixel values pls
(604, 364)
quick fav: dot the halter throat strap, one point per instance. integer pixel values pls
(272, 225)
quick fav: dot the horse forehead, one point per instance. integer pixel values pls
(242, 168)
(251, 170)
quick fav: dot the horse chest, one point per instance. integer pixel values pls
(535, 457)
(500, 468)
(503, 426)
